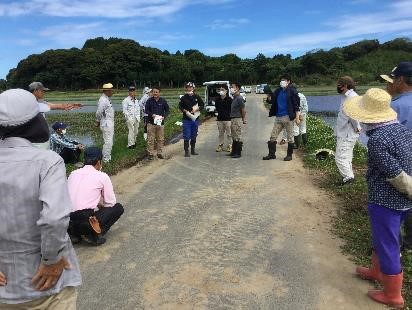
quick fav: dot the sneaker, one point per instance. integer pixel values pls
(219, 148)
(94, 239)
(132, 146)
(160, 156)
(228, 148)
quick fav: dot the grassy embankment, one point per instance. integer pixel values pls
(83, 124)
(351, 222)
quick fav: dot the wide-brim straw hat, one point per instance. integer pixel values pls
(373, 107)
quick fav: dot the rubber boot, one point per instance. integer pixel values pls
(289, 152)
(391, 293)
(193, 147)
(272, 150)
(373, 272)
(238, 151)
(297, 142)
(232, 149)
(304, 138)
(186, 147)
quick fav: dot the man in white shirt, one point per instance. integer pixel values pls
(347, 132)
(131, 111)
(105, 120)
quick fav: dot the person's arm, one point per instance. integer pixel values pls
(3, 279)
(181, 108)
(388, 165)
(124, 107)
(101, 107)
(65, 106)
(243, 112)
(62, 141)
(109, 198)
(148, 109)
(355, 124)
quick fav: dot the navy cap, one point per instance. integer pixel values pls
(93, 152)
(403, 69)
(132, 88)
(59, 125)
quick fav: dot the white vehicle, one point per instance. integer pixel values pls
(248, 89)
(259, 89)
(211, 93)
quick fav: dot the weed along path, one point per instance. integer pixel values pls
(211, 232)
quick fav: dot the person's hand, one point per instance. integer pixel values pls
(297, 120)
(72, 106)
(80, 147)
(195, 109)
(48, 275)
(3, 279)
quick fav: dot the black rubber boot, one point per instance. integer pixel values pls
(297, 142)
(186, 147)
(238, 150)
(193, 147)
(272, 150)
(304, 138)
(233, 148)
(289, 152)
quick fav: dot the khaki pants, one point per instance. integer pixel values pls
(155, 139)
(236, 129)
(133, 126)
(224, 127)
(282, 123)
(64, 300)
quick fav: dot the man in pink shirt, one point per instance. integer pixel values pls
(94, 201)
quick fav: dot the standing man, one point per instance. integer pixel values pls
(399, 85)
(92, 194)
(157, 110)
(142, 103)
(285, 104)
(347, 132)
(38, 265)
(237, 118)
(105, 120)
(131, 112)
(190, 104)
(223, 106)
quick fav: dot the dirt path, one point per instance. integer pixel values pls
(210, 232)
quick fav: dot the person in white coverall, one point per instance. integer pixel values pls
(105, 120)
(131, 111)
(347, 132)
(142, 103)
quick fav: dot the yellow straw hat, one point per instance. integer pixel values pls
(373, 107)
(107, 86)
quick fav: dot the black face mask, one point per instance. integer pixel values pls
(35, 130)
(339, 89)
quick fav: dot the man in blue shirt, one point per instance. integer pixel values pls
(399, 85)
(285, 104)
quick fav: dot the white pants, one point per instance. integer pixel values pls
(297, 129)
(107, 132)
(133, 126)
(343, 157)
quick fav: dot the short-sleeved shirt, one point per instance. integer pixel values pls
(403, 106)
(237, 105)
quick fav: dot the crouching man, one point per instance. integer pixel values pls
(94, 201)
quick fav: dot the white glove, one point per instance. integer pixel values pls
(402, 183)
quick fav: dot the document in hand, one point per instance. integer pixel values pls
(195, 115)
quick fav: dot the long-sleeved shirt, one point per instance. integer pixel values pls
(142, 103)
(131, 107)
(403, 106)
(347, 127)
(157, 107)
(187, 102)
(223, 108)
(389, 153)
(303, 104)
(34, 216)
(88, 186)
(105, 111)
(59, 142)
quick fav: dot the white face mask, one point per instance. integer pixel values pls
(283, 84)
(222, 93)
(233, 91)
(63, 131)
(190, 92)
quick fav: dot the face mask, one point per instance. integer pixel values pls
(189, 92)
(283, 84)
(339, 89)
(63, 131)
(222, 93)
(232, 91)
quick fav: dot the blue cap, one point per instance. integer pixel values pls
(59, 125)
(93, 152)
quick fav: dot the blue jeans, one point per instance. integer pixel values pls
(385, 225)
(190, 129)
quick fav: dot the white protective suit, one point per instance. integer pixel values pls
(131, 111)
(105, 115)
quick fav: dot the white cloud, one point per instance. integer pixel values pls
(160, 39)
(227, 23)
(393, 19)
(99, 8)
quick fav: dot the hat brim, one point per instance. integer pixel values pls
(387, 78)
(354, 109)
(111, 88)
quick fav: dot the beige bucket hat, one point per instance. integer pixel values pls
(373, 107)
(107, 86)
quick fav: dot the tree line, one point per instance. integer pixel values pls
(124, 62)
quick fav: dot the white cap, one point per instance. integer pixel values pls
(17, 107)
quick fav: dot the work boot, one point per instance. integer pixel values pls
(391, 293)
(229, 148)
(186, 147)
(304, 138)
(272, 150)
(193, 147)
(232, 149)
(373, 272)
(297, 142)
(238, 150)
(289, 152)
(219, 148)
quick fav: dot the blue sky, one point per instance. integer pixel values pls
(215, 27)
